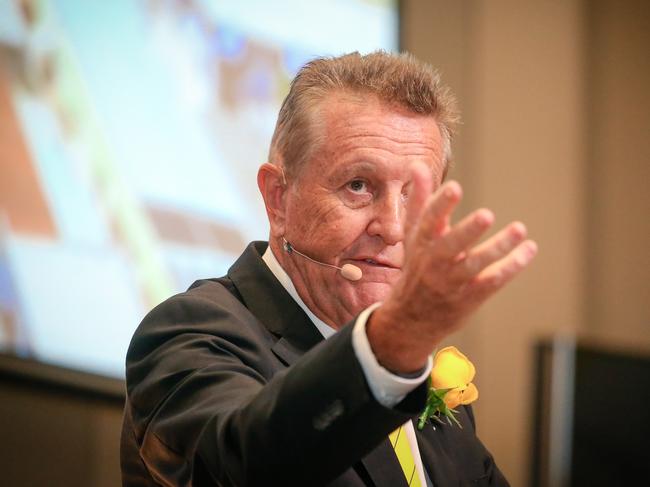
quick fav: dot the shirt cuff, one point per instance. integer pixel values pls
(388, 388)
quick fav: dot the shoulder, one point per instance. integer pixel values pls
(199, 308)
(207, 328)
(207, 320)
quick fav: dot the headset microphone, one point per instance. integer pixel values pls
(348, 271)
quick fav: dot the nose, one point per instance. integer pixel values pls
(387, 219)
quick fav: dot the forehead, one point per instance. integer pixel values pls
(363, 129)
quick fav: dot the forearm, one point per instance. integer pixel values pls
(320, 405)
(222, 402)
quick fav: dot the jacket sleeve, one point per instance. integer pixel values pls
(211, 404)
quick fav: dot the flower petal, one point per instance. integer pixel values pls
(451, 369)
(469, 395)
(453, 398)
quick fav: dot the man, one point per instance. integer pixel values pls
(232, 383)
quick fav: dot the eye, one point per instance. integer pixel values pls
(357, 186)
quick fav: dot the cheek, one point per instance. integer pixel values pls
(328, 224)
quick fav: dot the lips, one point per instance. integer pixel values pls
(377, 262)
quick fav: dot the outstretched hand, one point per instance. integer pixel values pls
(446, 274)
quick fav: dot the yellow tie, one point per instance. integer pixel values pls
(400, 444)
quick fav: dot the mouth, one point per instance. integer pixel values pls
(376, 262)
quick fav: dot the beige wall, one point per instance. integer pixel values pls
(618, 169)
(556, 116)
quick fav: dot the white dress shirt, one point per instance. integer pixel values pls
(388, 388)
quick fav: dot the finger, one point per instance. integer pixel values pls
(436, 214)
(495, 276)
(421, 188)
(490, 251)
(464, 234)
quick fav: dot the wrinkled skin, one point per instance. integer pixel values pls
(371, 195)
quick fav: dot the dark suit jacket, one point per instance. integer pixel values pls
(231, 384)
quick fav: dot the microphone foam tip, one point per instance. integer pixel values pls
(351, 272)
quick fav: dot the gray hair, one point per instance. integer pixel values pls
(394, 78)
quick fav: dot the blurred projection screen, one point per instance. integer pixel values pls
(130, 137)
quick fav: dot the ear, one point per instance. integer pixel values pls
(273, 187)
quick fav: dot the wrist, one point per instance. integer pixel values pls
(398, 345)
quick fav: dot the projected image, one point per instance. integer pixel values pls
(130, 137)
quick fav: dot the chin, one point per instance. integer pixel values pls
(366, 293)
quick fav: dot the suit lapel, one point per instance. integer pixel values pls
(383, 466)
(439, 466)
(265, 297)
(286, 351)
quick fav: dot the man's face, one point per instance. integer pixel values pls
(347, 204)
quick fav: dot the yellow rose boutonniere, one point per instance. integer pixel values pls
(450, 385)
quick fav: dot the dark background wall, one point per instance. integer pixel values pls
(58, 427)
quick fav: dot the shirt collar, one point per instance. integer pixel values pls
(281, 275)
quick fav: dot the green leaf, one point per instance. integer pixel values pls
(440, 393)
(422, 420)
(436, 408)
(451, 416)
